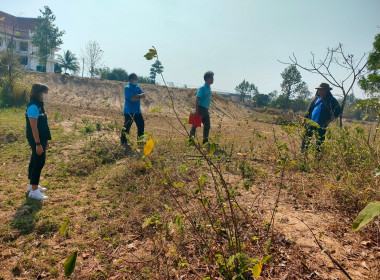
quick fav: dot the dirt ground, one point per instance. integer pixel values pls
(40, 254)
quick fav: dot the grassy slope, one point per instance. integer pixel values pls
(108, 195)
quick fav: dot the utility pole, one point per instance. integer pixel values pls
(82, 67)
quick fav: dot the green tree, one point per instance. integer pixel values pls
(103, 72)
(47, 36)
(371, 83)
(144, 80)
(292, 87)
(261, 100)
(246, 89)
(302, 91)
(11, 94)
(155, 70)
(116, 74)
(68, 61)
(119, 74)
(291, 80)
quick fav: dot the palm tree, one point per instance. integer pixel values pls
(68, 62)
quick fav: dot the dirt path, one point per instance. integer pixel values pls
(360, 258)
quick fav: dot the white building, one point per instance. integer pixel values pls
(22, 30)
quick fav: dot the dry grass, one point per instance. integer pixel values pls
(108, 195)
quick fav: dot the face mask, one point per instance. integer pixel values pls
(135, 82)
(46, 96)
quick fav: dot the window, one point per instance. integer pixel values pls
(24, 46)
(24, 60)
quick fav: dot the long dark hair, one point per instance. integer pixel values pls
(36, 90)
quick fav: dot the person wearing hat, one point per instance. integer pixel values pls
(323, 109)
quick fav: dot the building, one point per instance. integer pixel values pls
(21, 29)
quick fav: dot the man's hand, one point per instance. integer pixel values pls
(141, 96)
(39, 150)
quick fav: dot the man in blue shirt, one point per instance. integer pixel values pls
(132, 110)
(322, 110)
(202, 105)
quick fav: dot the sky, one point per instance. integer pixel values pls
(236, 39)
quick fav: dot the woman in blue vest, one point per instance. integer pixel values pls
(323, 109)
(132, 109)
(38, 135)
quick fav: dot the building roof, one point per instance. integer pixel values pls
(18, 26)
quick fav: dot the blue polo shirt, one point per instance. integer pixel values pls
(130, 107)
(204, 94)
(32, 111)
(317, 110)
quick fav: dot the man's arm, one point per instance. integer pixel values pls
(336, 108)
(196, 105)
(137, 97)
(199, 95)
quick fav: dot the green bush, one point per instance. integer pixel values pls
(14, 96)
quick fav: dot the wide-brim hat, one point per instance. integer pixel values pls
(324, 85)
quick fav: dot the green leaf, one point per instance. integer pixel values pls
(147, 222)
(377, 172)
(265, 259)
(156, 109)
(204, 201)
(63, 228)
(70, 262)
(201, 181)
(151, 54)
(366, 215)
(212, 148)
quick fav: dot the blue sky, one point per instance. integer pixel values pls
(237, 39)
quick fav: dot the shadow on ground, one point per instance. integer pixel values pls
(25, 218)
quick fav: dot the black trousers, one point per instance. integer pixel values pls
(206, 124)
(320, 134)
(128, 120)
(36, 163)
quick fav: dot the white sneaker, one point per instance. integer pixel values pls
(37, 194)
(42, 189)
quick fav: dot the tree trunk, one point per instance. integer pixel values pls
(342, 108)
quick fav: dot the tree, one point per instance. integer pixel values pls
(273, 95)
(261, 100)
(93, 56)
(116, 74)
(302, 91)
(336, 57)
(46, 36)
(371, 83)
(10, 69)
(292, 85)
(103, 72)
(144, 80)
(245, 89)
(156, 68)
(68, 61)
(119, 74)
